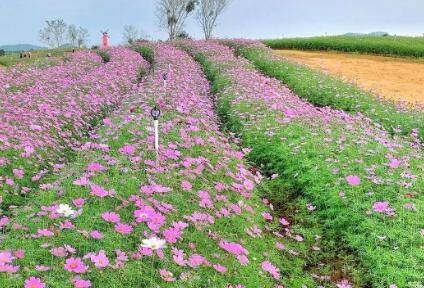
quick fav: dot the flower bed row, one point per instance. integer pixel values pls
(322, 90)
(46, 112)
(364, 185)
(118, 217)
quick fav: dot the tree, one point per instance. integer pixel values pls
(208, 13)
(173, 13)
(82, 37)
(54, 33)
(130, 34)
(73, 35)
(2, 52)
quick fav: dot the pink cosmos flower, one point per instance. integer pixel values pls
(19, 254)
(166, 275)
(43, 232)
(100, 260)
(144, 213)
(111, 217)
(58, 252)
(186, 186)
(271, 269)
(81, 283)
(96, 234)
(107, 122)
(7, 268)
(34, 282)
(78, 202)
(284, 222)
(353, 180)
(98, 191)
(343, 284)
(220, 268)
(95, 167)
(6, 257)
(124, 229)
(42, 268)
(196, 260)
(380, 207)
(267, 216)
(4, 221)
(18, 173)
(394, 163)
(249, 185)
(75, 265)
(127, 149)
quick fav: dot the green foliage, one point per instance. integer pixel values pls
(2, 52)
(388, 45)
(146, 52)
(104, 55)
(183, 35)
(141, 73)
(299, 153)
(324, 90)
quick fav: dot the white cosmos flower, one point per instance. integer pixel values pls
(153, 243)
(65, 210)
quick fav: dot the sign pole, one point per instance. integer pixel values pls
(155, 112)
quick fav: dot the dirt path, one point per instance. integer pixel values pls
(395, 78)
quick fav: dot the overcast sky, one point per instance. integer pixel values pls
(22, 19)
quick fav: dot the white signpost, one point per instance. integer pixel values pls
(155, 112)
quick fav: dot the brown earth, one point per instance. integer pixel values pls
(400, 79)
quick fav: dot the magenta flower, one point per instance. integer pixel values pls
(219, 268)
(100, 261)
(166, 275)
(353, 180)
(380, 207)
(124, 229)
(271, 269)
(95, 167)
(186, 186)
(81, 283)
(96, 234)
(6, 257)
(111, 217)
(75, 265)
(34, 282)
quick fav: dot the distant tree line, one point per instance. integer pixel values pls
(172, 15)
(57, 33)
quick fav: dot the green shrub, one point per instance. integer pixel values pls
(146, 52)
(104, 55)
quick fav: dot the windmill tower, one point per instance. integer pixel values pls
(105, 38)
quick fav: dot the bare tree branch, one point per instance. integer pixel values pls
(130, 34)
(208, 13)
(173, 13)
(54, 33)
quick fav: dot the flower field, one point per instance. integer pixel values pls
(364, 185)
(251, 186)
(46, 111)
(325, 90)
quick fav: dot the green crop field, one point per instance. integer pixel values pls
(12, 58)
(381, 45)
